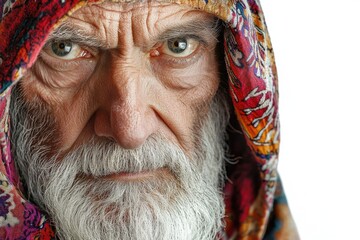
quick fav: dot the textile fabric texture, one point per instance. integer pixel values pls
(256, 207)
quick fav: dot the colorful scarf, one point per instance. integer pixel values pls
(256, 206)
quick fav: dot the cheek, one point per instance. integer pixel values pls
(200, 78)
(199, 81)
(67, 107)
(188, 93)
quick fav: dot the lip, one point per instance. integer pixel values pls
(137, 176)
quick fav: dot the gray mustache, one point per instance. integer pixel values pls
(101, 158)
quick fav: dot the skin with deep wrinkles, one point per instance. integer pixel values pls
(128, 85)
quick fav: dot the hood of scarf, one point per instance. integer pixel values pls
(256, 207)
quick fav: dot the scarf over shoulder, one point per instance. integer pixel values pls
(256, 207)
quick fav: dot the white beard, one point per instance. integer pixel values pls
(185, 204)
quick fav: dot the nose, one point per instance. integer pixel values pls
(126, 114)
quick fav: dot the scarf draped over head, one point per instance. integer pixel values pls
(256, 206)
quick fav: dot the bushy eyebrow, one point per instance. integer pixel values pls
(204, 30)
(67, 31)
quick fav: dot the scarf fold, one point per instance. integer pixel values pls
(256, 207)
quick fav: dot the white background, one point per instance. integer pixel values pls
(317, 50)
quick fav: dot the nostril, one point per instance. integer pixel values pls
(127, 126)
(132, 125)
(110, 139)
(102, 124)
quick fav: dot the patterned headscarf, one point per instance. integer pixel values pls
(256, 206)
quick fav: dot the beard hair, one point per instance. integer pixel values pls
(184, 204)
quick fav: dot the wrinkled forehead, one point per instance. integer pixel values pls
(140, 22)
(156, 10)
(167, 10)
(220, 8)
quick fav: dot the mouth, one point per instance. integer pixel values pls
(137, 176)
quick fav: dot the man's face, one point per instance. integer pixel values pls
(115, 128)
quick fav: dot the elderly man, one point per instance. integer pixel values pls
(119, 122)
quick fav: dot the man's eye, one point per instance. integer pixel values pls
(61, 49)
(180, 47)
(65, 50)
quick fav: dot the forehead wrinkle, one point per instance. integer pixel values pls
(145, 29)
(98, 22)
(101, 23)
(125, 7)
(150, 26)
(124, 28)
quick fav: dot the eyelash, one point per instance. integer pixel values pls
(178, 62)
(156, 53)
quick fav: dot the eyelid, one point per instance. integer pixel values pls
(173, 35)
(196, 37)
(94, 51)
(167, 61)
(74, 41)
